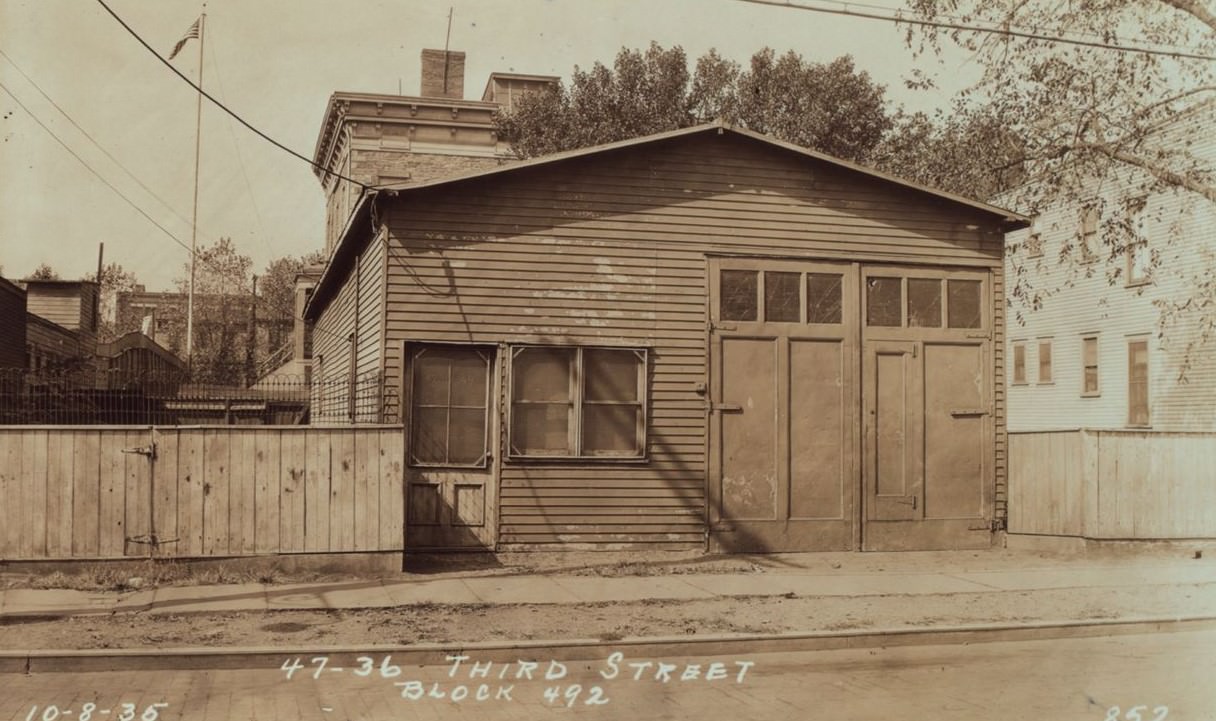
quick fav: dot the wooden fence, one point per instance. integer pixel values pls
(77, 493)
(1113, 484)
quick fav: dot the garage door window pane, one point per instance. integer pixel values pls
(883, 302)
(782, 297)
(924, 303)
(823, 298)
(738, 289)
(610, 430)
(964, 304)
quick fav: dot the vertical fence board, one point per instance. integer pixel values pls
(342, 491)
(112, 491)
(12, 505)
(34, 456)
(266, 472)
(292, 473)
(367, 491)
(216, 472)
(243, 493)
(316, 491)
(191, 464)
(166, 476)
(139, 495)
(392, 493)
(59, 495)
(86, 493)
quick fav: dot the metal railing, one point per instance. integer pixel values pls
(121, 397)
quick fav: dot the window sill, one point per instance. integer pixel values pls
(577, 460)
(1139, 283)
(1091, 395)
(1045, 383)
(1015, 384)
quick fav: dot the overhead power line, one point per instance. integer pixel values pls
(1007, 32)
(91, 139)
(317, 166)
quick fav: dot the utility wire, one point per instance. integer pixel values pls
(92, 139)
(979, 29)
(316, 166)
(290, 313)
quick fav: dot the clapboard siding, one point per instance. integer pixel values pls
(75, 493)
(1079, 299)
(611, 250)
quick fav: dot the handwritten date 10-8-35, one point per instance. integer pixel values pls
(90, 712)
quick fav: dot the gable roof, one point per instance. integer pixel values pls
(339, 261)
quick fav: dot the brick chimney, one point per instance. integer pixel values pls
(443, 74)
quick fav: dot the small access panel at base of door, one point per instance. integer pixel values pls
(849, 408)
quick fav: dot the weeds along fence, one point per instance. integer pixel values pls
(169, 398)
(90, 493)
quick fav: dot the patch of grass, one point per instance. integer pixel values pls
(150, 573)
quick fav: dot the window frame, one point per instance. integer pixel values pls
(1089, 213)
(1048, 378)
(1148, 405)
(1097, 366)
(577, 385)
(1018, 345)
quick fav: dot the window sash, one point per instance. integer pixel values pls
(579, 407)
(1019, 363)
(1045, 362)
(1137, 383)
(1090, 381)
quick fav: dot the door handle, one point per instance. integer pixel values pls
(727, 408)
(968, 412)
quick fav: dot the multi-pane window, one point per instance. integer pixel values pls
(1137, 382)
(1089, 366)
(913, 302)
(448, 403)
(1019, 363)
(773, 296)
(1044, 361)
(1034, 245)
(578, 402)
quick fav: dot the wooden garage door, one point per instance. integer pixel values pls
(926, 394)
(783, 470)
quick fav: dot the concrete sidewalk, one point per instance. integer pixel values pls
(793, 580)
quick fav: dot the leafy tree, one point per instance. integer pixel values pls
(971, 152)
(276, 298)
(44, 272)
(223, 303)
(1110, 125)
(114, 280)
(829, 107)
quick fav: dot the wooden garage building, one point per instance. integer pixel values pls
(700, 338)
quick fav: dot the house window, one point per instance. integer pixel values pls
(1138, 262)
(1089, 366)
(1044, 362)
(449, 397)
(577, 402)
(1137, 382)
(1019, 363)
(1087, 235)
(1034, 246)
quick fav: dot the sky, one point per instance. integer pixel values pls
(132, 121)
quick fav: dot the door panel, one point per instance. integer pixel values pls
(955, 428)
(749, 425)
(450, 472)
(893, 432)
(819, 433)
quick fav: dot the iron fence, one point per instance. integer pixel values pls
(120, 397)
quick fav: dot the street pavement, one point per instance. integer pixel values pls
(1153, 677)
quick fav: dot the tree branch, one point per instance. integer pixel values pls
(1158, 172)
(1195, 10)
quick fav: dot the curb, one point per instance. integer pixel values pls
(92, 660)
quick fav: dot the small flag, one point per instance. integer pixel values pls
(191, 33)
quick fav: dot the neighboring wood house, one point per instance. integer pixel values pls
(1095, 354)
(703, 335)
(13, 351)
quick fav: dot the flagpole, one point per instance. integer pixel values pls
(198, 132)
